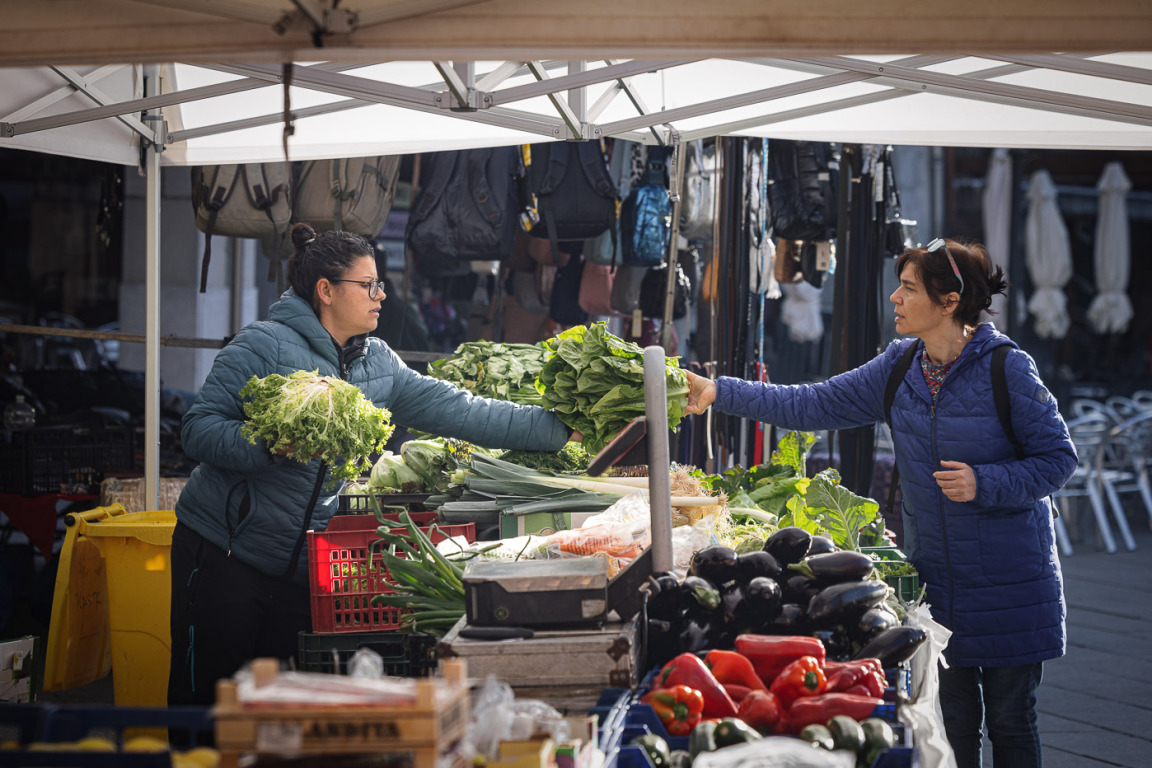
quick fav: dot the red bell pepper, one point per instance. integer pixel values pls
(679, 708)
(849, 676)
(821, 709)
(803, 677)
(762, 710)
(737, 692)
(731, 667)
(771, 653)
(687, 669)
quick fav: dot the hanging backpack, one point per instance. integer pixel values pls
(568, 194)
(241, 201)
(350, 194)
(646, 216)
(604, 249)
(697, 213)
(465, 211)
(802, 181)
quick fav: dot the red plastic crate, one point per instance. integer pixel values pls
(342, 581)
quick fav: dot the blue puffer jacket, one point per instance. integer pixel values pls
(235, 475)
(990, 564)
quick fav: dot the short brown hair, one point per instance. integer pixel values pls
(982, 279)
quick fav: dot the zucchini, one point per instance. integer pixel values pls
(655, 748)
(878, 739)
(818, 736)
(731, 730)
(702, 738)
(846, 733)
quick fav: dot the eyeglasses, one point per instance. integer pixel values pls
(375, 287)
(938, 245)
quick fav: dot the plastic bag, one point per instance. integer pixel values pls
(923, 714)
(775, 752)
(366, 664)
(491, 717)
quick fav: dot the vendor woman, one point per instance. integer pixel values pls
(239, 570)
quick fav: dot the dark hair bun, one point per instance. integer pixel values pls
(302, 234)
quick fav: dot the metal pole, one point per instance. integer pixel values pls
(659, 482)
(675, 182)
(152, 311)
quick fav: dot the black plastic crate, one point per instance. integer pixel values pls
(404, 654)
(49, 459)
(361, 504)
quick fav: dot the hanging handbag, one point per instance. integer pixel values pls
(654, 289)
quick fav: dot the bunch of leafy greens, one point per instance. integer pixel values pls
(594, 382)
(496, 370)
(818, 504)
(307, 416)
(571, 458)
(423, 465)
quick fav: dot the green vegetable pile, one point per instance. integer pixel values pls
(496, 370)
(309, 416)
(571, 458)
(595, 383)
(819, 504)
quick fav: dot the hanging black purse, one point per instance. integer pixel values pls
(654, 288)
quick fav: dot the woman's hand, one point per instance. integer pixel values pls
(957, 480)
(701, 393)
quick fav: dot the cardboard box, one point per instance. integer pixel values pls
(17, 662)
(541, 523)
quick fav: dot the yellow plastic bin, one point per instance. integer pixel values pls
(133, 596)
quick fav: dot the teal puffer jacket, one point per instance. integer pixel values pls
(247, 502)
(990, 564)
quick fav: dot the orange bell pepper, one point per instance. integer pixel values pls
(679, 708)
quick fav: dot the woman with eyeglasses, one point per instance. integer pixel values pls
(237, 591)
(977, 523)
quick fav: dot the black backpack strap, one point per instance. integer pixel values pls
(895, 378)
(591, 158)
(443, 170)
(1000, 395)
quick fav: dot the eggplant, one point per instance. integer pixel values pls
(893, 645)
(871, 623)
(836, 643)
(790, 621)
(845, 601)
(762, 601)
(665, 599)
(822, 545)
(732, 607)
(835, 567)
(696, 634)
(718, 564)
(760, 563)
(788, 545)
(699, 595)
(800, 590)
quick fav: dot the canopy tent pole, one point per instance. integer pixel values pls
(152, 309)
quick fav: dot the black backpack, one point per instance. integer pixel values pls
(568, 194)
(465, 210)
(999, 394)
(802, 183)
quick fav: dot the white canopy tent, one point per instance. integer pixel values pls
(463, 90)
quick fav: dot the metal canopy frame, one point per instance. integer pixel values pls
(484, 97)
(479, 97)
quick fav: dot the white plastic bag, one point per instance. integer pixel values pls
(922, 715)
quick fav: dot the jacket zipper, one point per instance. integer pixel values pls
(943, 524)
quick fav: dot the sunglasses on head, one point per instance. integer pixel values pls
(938, 245)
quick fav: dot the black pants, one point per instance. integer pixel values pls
(224, 614)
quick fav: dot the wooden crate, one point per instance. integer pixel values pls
(598, 658)
(426, 729)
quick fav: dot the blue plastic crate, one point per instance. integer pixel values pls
(45, 723)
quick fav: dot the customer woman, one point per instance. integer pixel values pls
(977, 522)
(239, 572)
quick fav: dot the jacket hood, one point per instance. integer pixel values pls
(297, 314)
